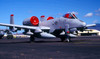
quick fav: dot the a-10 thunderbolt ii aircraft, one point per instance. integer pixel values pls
(62, 27)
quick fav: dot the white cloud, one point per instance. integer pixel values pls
(97, 14)
(98, 10)
(95, 21)
(89, 15)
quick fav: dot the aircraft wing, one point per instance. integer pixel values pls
(39, 29)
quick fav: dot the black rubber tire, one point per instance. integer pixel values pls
(62, 39)
(32, 39)
(9, 36)
(69, 39)
(1, 36)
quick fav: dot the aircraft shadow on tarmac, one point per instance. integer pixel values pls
(74, 40)
(43, 41)
(30, 42)
(14, 42)
(17, 41)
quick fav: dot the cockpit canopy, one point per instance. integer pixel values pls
(70, 16)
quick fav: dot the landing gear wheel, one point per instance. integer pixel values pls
(68, 40)
(62, 39)
(32, 39)
(9, 36)
(1, 36)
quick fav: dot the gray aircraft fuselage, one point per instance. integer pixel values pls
(59, 23)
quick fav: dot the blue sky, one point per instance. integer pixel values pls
(86, 10)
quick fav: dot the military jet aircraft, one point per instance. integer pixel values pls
(50, 27)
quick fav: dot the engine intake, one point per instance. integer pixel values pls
(32, 21)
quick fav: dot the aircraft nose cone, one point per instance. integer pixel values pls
(84, 24)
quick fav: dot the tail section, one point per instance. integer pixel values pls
(12, 22)
(42, 18)
(11, 19)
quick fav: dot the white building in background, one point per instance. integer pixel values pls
(89, 32)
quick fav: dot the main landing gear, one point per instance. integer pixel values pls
(32, 39)
(67, 32)
(63, 39)
(68, 39)
(1, 36)
(10, 36)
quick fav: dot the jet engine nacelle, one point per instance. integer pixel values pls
(32, 21)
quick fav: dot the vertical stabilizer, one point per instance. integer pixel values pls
(12, 22)
(42, 18)
(11, 19)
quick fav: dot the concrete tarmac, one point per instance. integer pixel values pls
(80, 48)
